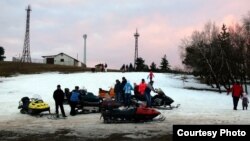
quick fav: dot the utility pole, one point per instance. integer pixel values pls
(84, 54)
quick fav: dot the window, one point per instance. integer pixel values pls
(62, 60)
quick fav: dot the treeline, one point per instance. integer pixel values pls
(2, 57)
(219, 55)
(140, 66)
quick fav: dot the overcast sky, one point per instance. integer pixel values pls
(58, 26)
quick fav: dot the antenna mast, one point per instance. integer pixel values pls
(26, 47)
(136, 47)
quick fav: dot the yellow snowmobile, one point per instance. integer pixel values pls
(33, 106)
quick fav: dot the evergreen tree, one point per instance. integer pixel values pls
(153, 66)
(131, 68)
(164, 64)
(122, 67)
(2, 57)
(140, 66)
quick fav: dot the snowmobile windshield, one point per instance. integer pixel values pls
(36, 97)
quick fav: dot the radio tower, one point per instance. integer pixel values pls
(26, 47)
(136, 47)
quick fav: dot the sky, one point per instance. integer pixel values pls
(59, 25)
(196, 106)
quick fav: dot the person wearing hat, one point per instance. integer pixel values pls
(58, 96)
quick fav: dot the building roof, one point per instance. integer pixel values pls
(53, 56)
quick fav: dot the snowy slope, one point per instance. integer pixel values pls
(197, 107)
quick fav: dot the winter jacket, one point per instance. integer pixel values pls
(141, 88)
(117, 88)
(127, 88)
(236, 90)
(245, 100)
(151, 75)
(123, 83)
(136, 90)
(75, 96)
(58, 95)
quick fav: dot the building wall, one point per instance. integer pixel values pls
(62, 59)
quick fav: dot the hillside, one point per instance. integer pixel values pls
(197, 107)
(13, 68)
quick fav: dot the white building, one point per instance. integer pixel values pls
(62, 59)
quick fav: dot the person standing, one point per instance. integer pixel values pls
(245, 101)
(58, 96)
(127, 90)
(148, 89)
(141, 89)
(150, 75)
(118, 91)
(237, 91)
(67, 94)
(124, 81)
(74, 100)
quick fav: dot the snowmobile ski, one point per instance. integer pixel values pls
(167, 107)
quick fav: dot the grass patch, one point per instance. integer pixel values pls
(13, 68)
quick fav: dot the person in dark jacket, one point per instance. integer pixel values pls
(148, 89)
(124, 81)
(245, 101)
(67, 94)
(74, 100)
(58, 96)
(118, 91)
(237, 91)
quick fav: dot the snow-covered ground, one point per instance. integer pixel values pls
(197, 107)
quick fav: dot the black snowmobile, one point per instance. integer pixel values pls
(88, 101)
(33, 106)
(160, 100)
(132, 114)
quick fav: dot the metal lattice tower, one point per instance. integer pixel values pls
(26, 47)
(136, 47)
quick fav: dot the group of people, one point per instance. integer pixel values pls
(123, 90)
(72, 97)
(237, 93)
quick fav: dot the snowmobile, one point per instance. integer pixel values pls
(33, 106)
(132, 114)
(89, 103)
(160, 100)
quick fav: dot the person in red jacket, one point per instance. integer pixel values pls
(151, 75)
(237, 91)
(141, 89)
